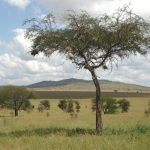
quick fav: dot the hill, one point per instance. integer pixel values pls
(73, 84)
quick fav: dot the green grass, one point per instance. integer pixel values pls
(58, 131)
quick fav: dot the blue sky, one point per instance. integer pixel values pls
(18, 67)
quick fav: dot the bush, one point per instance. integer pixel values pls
(27, 106)
(77, 106)
(70, 106)
(124, 105)
(40, 108)
(63, 105)
(93, 104)
(46, 104)
(147, 111)
(109, 105)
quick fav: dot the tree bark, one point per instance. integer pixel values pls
(99, 123)
(16, 112)
(15, 108)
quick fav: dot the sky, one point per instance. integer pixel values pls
(18, 67)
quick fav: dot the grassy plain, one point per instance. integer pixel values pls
(56, 130)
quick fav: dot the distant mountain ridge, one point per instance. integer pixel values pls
(57, 83)
(80, 84)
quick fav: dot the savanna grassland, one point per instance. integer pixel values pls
(56, 130)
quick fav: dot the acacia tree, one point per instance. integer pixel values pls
(91, 42)
(16, 98)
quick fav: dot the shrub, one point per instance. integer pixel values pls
(124, 105)
(93, 104)
(147, 111)
(70, 106)
(27, 106)
(77, 106)
(46, 104)
(109, 105)
(43, 105)
(41, 108)
(63, 105)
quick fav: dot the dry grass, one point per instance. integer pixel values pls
(58, 131)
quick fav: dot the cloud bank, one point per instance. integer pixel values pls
(21, 4)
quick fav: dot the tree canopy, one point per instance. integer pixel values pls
(16, 98)
(91, 41)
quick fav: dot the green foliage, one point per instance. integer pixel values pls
(41, 108)
(124, 105)
(26, 106)
(70, 106)
(16, 98)
(93, 104)
(147, 111)
(45, 103)
(109, 105)
(63, 105)
(77, 106)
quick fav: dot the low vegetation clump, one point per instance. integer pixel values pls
(40, 108)
(27, 106)
(46, 104)
(70, 106)
(110, 105)
(43, 105)
(147, 111)
(124, 105)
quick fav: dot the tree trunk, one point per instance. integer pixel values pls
(99, 123)
(16, 112)
(15, 108)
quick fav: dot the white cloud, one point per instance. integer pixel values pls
(135, 69)
(94, 6)
(20, 38)
(22, 4)
(19, 67)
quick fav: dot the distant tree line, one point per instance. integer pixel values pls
(18, 98)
